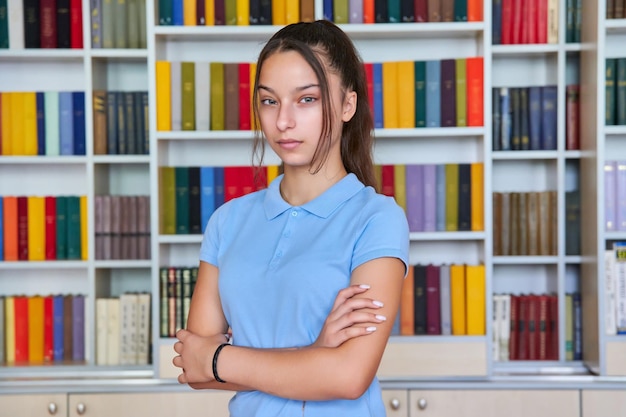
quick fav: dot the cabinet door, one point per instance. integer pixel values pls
(27, 405)
(603, 403)
(396, 402)
(153, 404)
(494, 403)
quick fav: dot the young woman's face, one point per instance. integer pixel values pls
(290, 107)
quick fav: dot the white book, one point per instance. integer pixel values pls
(495, 325)
(51, 109)
(505, 327)
(203, 96)
(113, 331)
(143, 328)
(553, 21)
(444, 300)
(102, 317)
(620, 286)
(128, 329)
(16, 24)
(609, 293)
(176, 95)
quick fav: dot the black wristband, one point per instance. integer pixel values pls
(215, 356)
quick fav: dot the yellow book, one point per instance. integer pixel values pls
(272, 173)
(36, 228)
(84, 253)
(17, 124)
(457, 299)
(209, 12)
(6, 116)
(218, 119)
(399, 184)
(279, 12)
(475, 299)
(30, 124)
(378, 174)
(188, 95)
(452, 197)
(477, 197)
(167, 200)
(390, 95)
(243, 12)
(35, 329)
(292, 11)
(406, 94)
(461, 92)
(9, 328)
(254, 124)
(189, 12)
(163, 96)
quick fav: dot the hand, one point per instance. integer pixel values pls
(347, 316)
(195, 356)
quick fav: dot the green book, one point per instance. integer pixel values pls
(188, 97)
(182, 200)
(452, 197)
(620, 104)
(165, 12)
(4, 25)
(167, 200)
(120, 28)
(51, 110)
(108, 23)
(341, 11)
(393, 9)
(420, 93)
(73, 227)
(132, 28)
(610, 93)
(217, 96)
(230, 12)
(461, 93)
(61, 208)
(460, 10)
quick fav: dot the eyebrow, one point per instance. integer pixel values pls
(298, 89)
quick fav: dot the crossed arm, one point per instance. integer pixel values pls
(340, 364)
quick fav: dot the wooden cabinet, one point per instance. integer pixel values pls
(33, 405)
(603, 403)
(495, 403)
(396, 402)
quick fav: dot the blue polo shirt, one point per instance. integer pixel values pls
(281, 267)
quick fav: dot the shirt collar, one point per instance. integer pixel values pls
(322, 206)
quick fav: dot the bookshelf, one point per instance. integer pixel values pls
(520, 65)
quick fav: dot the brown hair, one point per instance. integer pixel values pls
(315, 41)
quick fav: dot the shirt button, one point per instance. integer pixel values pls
(294, 213)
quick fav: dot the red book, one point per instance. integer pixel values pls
(238, 181)
(22, 228)
(10, 224)
(421, 10)
(474, 10)
(522, 328)
(201, 12)
(572, 117)
(244, 97)
(260, 178)
(554, 327)
(369, 13)
(531, 20)
(475, 94)
(369, 77)
(514, 333)
(533, 327)
(544, 328)
(387, 186)
(542, 22)
(506, 37)
(517, 21)
(48, 329)
(50, 209)
(433, 302)
(48, 22)
(20, 305)
(76, 24)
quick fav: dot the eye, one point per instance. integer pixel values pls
(308, 100)
(268, 102)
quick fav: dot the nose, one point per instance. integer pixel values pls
(285, 118)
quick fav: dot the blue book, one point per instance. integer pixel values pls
(57, 327)
(534, 117)
(377, 70)
(177, 13)
(440, 198)
(433, 93)
(496, 22)
(78, 116)
(328, 10)
(549, 117)
(78, 327)
(218, 175)
(66, 123)
(41, 124)
(1, 229)
(207, 195)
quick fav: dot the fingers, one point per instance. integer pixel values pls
(348, 293)
(354, 332)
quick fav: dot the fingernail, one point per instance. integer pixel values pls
(370, 329)
(364, 286)
(377, 303)
(380, 317)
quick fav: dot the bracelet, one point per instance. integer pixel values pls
(215, 355)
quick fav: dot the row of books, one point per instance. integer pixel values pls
(122, 226)
(615, 195)
(394, 11)
(189, 195)
(39, 329)
(525, 223)
(526, 327)
(524, 118)
(43, 228)
(217, 95)
(443, 300)
(123, 330)
(176, 285)
(615, 288)
(615, 83)
(120, 123)
(437, 197)
(46, 123)
(41, 24)
(615, 9)
(118, 24)
(526, 21)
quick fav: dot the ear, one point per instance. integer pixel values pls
(349, 106)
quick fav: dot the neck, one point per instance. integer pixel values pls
(299, 186)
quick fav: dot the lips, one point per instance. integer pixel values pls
(289, 143)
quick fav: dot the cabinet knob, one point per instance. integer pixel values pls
(394, 403)
(81, 408)
(422, 404)
(52, 409)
